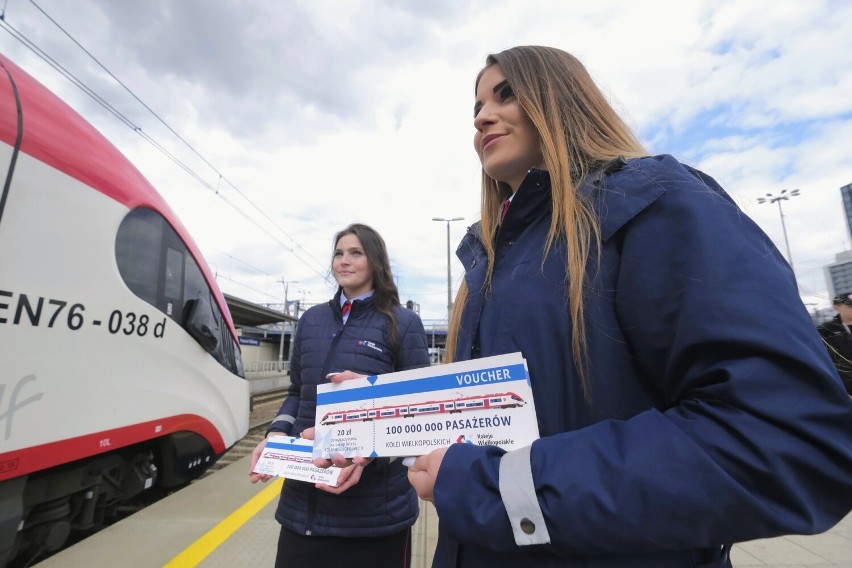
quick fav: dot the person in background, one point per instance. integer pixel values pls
(680, 409)
(367, 519)
(837, 335)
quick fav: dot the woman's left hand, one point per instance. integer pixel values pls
(423, 473)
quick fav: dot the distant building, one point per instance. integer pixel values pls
(822, 315)
(846, 193)
(838, 276)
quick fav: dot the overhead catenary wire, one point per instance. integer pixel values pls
(292, 246)
(170, 129)
(238, 283)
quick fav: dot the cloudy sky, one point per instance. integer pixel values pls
(297, 118)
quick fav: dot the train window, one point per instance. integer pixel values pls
(137, 250)
(156, 266)
(174, 274)
(194, 285)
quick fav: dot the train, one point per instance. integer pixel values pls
(121, 377)
(475, 402)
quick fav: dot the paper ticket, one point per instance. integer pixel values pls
(291, 458)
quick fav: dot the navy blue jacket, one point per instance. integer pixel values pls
(714, 415)
(382, 502)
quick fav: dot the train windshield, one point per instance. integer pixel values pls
(156, 265)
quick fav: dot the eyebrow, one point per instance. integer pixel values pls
(497, 88)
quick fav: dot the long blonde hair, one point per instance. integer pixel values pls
(579, 131)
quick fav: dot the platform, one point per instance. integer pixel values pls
(223, 521)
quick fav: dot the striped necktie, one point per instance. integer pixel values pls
(347, 307)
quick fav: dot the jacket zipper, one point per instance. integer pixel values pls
(312, 491)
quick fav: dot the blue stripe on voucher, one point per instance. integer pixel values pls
(290, 447)
(494, 376)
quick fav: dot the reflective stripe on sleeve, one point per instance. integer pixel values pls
(284, 418)
(518, 493)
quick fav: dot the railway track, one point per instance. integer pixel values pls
(263, 409)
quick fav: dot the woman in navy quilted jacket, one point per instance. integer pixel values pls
(684, 399)
(366, 520)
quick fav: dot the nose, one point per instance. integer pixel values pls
(483, 118)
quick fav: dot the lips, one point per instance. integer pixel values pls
(486, 140)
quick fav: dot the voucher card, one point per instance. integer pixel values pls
(485, 401)
(291, 458)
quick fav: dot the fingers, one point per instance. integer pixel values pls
(348, 477)
(308, 433)
(340, 461)
(255, 456)
(423, 484)
(419, 463)
(343, 376)
(337, 460)
(409, 461)
(255, 477)
(322, 463)
(255, 453)
(424, 471)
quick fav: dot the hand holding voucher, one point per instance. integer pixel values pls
(423, 473)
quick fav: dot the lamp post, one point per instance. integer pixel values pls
(286, 309)
(449, 278)
(783, 196)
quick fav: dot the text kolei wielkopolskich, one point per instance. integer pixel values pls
(485, 402)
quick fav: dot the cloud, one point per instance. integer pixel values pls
(301, 117)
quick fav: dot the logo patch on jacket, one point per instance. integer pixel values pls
(370, 344)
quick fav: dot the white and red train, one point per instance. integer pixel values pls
(120, 372)
(476, 402)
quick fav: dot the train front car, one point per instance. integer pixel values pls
(120, 373)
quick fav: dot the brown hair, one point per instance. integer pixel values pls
(385, 293)
(579, 132)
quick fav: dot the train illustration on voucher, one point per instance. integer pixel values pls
(486, 401)
(453, 405)
(121, 376)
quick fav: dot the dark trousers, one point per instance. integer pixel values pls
(299, 551)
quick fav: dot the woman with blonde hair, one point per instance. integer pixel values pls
(685, 401)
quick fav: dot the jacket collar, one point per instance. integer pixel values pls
(619, 190)
(531, 201)
(357, 304)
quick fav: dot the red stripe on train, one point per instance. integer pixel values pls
(36, 458)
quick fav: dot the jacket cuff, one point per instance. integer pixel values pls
(280, 428)
(517, 490)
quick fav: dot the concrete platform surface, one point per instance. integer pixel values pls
(223, 521)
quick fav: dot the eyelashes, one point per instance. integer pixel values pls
(504, 92)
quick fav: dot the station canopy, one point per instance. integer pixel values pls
(247, 314)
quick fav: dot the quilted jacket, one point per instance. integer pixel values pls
(382, 502)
